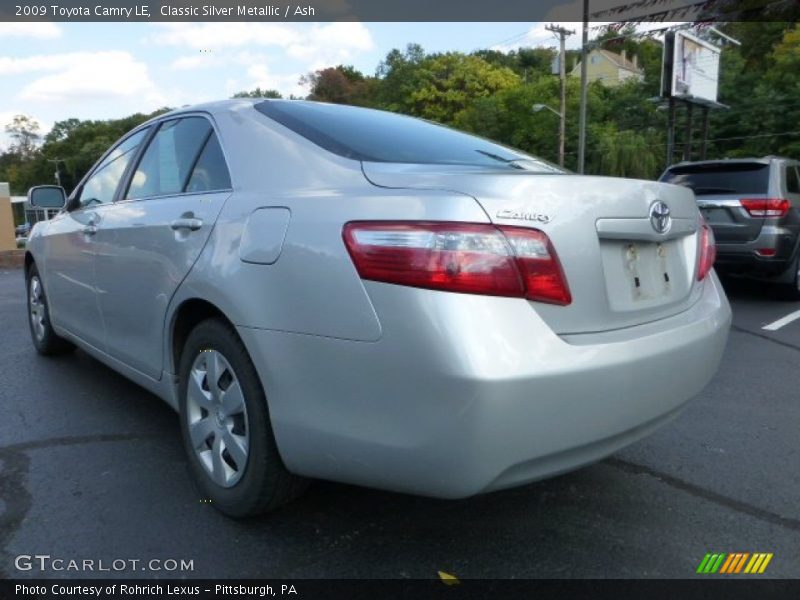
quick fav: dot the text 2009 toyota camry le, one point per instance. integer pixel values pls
(348, 294)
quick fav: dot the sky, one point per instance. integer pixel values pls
(54, 71)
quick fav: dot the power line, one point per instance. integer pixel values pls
(723, 139)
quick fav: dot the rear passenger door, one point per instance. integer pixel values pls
(148, 240)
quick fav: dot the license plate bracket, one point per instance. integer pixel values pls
(648, 271)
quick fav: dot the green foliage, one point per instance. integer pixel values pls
(528, 63)
(450, 83)
(627, 153)
(399, 75)
(258, 93)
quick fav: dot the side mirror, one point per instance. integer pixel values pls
(47, 196)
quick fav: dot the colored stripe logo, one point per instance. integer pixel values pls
(737, 562)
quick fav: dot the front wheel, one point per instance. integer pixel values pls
(226, 427)
(45, 339)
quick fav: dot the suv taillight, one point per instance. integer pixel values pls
(468, 258)
(707, 251)
(766, 207)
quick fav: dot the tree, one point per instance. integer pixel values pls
(508, 117)
(450, 83)
(76, 144)
(398, 76)
(24, 131)
(258, 93)
(61, 130)
(625, 153)
(340, 85)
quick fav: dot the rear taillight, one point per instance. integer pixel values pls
(468, 258)
(707, 251)
(766, 207)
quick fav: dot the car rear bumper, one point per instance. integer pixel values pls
(748, 257)
(449, 404)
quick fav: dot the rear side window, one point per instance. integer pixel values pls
(210, 172)
(721, 178)
(167, 163)
(378, 136)
(792, 180)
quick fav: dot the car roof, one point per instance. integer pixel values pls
(732, 161)
(231, 105)
(220, 106)
(217, 106)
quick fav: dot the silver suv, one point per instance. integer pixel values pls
(342, 293)
(752, 206)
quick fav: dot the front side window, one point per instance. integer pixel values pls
(103, 182)
(166, 165)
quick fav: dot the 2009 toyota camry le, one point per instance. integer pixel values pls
(334, 292)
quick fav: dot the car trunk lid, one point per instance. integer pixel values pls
(621, 271)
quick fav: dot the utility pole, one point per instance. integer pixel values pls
(584, 87)
(562, 68)
(57, 162)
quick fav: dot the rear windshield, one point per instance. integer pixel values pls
(378, 136)
(731, 178)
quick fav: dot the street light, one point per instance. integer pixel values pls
(539, 107)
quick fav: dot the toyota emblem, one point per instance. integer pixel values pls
(659, 217)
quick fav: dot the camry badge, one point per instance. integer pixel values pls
(659, 217)
(522, 215)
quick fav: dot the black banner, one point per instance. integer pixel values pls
(398, 10)
(733, 588)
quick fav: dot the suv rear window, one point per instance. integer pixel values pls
(719, 178)
(378, 136)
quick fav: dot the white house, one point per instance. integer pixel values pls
(609, 68)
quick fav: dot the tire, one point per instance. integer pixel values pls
(233, 414)
(791, 289)
(45, 339)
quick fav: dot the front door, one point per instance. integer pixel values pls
(71, 244)
(149, 239)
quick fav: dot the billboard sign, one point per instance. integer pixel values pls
(694, 69)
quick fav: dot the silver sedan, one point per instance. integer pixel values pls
(333, 292)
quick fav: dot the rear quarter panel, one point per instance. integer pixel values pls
(312, 287)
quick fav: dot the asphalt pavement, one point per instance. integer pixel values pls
(91, 467)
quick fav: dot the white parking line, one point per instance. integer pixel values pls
(775, 325)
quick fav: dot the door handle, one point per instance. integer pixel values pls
(192, 224)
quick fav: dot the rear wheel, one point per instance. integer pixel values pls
(791, 289)
(45, 339)
(226, 427)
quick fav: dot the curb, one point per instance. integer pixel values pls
(12, 259)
